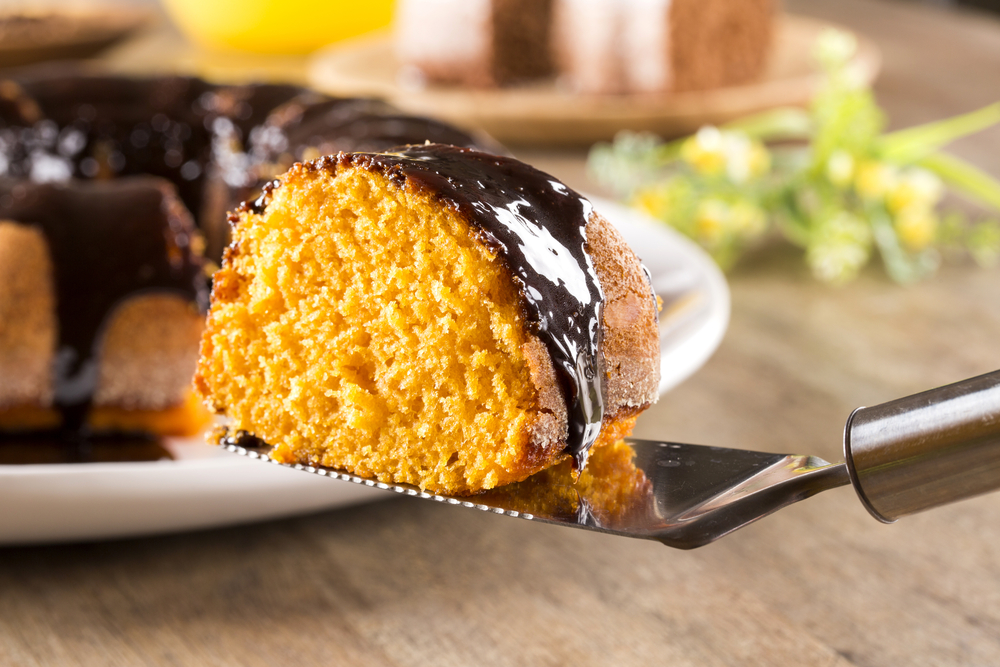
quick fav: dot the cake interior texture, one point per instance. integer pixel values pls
(358, 324)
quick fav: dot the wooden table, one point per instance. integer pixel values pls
(405, 582)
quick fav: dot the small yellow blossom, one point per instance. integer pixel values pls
(748, 219)
(713, 152)
(916, 227)
(745, 158)
(840, 168)
(841, 247)
(737, 149)
(760, 159)
(652, 201)
(914, 188)
(836, 264)
(705, 151)
(712, 221)
(873, 180)
(835, 47)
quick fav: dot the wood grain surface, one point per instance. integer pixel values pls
(410, 582)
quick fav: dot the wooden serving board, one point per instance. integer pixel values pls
(543, 114)
(32, 35)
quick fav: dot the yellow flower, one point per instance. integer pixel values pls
(760, 159)
(914, 188)
(748, 219)
(712, 219)
(916, 226)
(705, 151)
(873, 180)
(835, 47)
(651, 200)
(713, 152)
(744, 158)
(840, 248)
(840, 168)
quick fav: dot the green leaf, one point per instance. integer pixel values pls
(911, 144)
(782, 124)
(963, 177)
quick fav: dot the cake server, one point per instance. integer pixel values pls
(905, 456)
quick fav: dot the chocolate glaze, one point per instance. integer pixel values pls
(326, 126)
(103, 127)
(217, 144)
(538, 228)
(107, 241)
(54, 447)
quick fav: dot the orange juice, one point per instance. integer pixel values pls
(277, 26)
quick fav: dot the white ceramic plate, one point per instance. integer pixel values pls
(205, 487)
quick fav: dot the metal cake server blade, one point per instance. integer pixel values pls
(684, 496)
(902, 457)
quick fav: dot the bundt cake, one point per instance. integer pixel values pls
(638, 46)
(102, 296)
(100, 265)
(217, 144)
(591, 46)
(434, 315)
(478, 43)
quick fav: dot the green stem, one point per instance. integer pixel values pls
(964, 178)
(782, 124)
(788, 217)
(914, 143)
(900, 266)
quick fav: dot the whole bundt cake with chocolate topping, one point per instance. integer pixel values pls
(433, 315)
(102, 179)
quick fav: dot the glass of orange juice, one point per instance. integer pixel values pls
(277, 26)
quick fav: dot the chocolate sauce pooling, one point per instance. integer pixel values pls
(53, 447)
(537, 226)
(107, 241)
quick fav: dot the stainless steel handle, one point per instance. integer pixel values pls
(926, 450)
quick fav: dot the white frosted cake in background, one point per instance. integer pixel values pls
(593, 46)
(588, 39)
(479, 43)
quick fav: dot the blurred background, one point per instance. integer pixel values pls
(842, 167)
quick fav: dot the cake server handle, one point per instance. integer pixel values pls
(926, 450)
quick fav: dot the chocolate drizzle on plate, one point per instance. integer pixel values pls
(538, 228)
(107, 242)
(53, 447)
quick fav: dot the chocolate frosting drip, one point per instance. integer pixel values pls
(103, 127)
(538, 228)
(107, 241)
(312, 122)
